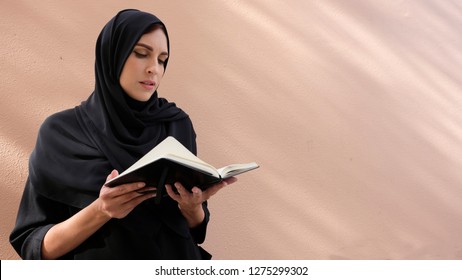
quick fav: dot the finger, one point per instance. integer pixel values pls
(135, 201)
(230, 180)
(114, 173)
(124, 202)
(181, 190)
(125, 189)
(197, 194)
(139, 197)
(135, 195)
(215, 188)
(146, 190)
(171, 193)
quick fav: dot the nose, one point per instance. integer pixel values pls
(154, 68)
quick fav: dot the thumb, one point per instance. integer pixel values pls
(113, 174)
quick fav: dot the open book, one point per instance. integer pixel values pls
(171, 162)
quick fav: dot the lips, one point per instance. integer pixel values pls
(148, 84)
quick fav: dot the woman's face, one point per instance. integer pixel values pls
(144, 67)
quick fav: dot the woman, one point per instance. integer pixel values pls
(66, 212)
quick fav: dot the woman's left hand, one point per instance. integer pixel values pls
(190, 203)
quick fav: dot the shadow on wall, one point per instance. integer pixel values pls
(355, 120)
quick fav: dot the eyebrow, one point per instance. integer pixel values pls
(150, 48)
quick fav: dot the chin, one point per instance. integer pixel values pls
(142, 97)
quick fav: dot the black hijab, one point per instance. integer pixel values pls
(76, 149)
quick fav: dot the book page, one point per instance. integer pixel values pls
(172, 149)
(196, 164)
(236, 169)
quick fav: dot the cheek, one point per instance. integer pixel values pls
(127, 72)
(123, 79)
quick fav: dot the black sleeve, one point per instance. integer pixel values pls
(36, 215)
(199, 232)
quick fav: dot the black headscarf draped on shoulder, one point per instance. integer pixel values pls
(76, 149)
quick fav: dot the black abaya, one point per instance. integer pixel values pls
(76, 149)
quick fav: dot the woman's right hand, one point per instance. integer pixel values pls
(119, 201)
(114, 202)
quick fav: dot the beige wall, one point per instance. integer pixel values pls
(352, 109)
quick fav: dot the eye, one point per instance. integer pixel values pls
(162, 59)
(140, 55)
